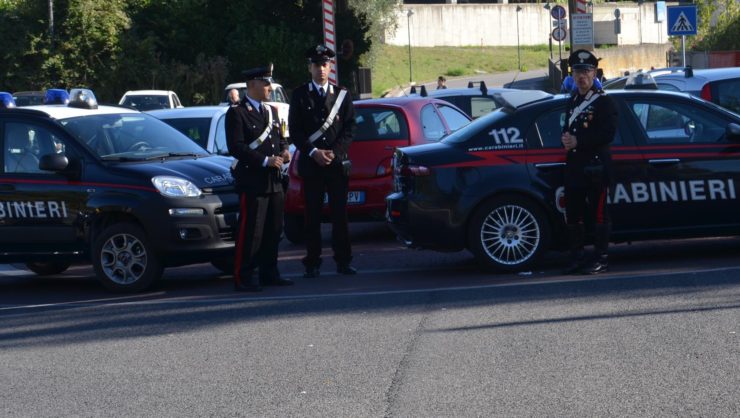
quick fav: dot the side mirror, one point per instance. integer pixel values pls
(732, 132)
(54, 162)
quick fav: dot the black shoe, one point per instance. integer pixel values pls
(311, 272)
(246, 287)
(278, 282)
(346, 269)
(600, 265)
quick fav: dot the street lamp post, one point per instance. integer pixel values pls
(549, 36)
(518, 51)
(409, 12)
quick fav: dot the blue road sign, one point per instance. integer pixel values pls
(682, 20)
(558, 12)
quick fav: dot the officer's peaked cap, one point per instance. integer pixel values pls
(320, 54)
(583, 59)
(259, 73)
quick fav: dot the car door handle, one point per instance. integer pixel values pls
(549, 165)
(389, 148)
(665, 161)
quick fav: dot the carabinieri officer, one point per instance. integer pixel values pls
(588, 132)
(321, 120)
(253, 138)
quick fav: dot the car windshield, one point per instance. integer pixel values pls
(194, 128)
(475, 127)
(146, 102)
(131, 136)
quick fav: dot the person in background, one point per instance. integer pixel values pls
(591, 123)
(441, 83)
(321, 120)
(234, 98)
(254, 140)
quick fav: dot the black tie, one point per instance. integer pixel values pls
(321, 92)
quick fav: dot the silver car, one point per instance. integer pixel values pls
(718, 85)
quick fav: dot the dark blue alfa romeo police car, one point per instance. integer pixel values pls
(495, 186)
(114, 186)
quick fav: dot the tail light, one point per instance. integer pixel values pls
(706, 93)
(404, 173)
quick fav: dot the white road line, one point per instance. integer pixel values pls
(250, 298)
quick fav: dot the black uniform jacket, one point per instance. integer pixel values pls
(244, 124)
(594, 129)
(308, 112)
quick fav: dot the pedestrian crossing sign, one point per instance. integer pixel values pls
(682, 20)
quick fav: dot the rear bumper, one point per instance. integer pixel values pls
(417, 227)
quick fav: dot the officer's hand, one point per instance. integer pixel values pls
(322, 157)
(569, 141)
(275, 161)
(286, 156)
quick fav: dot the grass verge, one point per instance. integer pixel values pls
(391, 68)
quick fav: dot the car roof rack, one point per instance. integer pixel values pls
(423, 92)
(483, 88)
(688, 72)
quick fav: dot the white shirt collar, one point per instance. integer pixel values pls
(324, 86)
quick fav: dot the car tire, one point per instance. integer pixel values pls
(48, 268)
(224, 264)
(123, 259)
(509, 233)
(293, 228)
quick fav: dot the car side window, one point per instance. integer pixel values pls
(480, 106)
(676, 123)
(24, 144)
(455, 119)
(548, 128)
(176, 100)
(379, 123)
(729, 94)
(220, 146)
(431, 123)
(667, 87)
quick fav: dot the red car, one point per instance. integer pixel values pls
(382, 126)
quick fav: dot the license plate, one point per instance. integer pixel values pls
(353, 198)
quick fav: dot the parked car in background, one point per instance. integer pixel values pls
(278, 98)
(717, 85)
(382, 126)
(203, 124)
(28, 98)
(495, 187)
(150, 99)
(475, 101)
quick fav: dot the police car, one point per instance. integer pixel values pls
(495, 187)
(113, 186)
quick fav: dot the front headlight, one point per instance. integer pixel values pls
(175, 187)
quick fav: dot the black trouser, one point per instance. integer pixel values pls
(332, 181)
(258, 236)
(586, 206)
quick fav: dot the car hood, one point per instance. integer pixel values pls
(204, 172)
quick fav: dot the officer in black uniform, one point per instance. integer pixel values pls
(321, 120)
(591, 123)
(253, 138)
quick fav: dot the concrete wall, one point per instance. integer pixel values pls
(496, 25)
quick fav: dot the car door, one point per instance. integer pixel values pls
(38, 208)
(692, 169)
(546, 163)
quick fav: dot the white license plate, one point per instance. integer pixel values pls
(353, 198)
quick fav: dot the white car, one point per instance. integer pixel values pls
(278, 98)
(150, 99)
(203, 124)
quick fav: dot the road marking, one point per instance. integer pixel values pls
(111, 302)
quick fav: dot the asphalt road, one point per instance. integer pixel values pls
(417, 333)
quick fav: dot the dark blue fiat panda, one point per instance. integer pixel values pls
(495, 187)
(113, 186)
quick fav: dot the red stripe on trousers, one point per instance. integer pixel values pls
(600, 208)
(240, 237)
